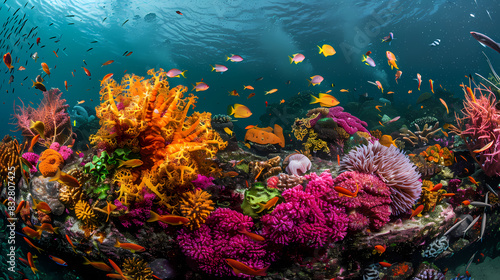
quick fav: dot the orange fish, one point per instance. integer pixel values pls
(32, 245)
(55, 53)
(431, 82)
(385, 264)
(234, 93)
(419, 79)
(239, 267)
(129, 246)
(344, 90)
(378, 107)
(168, 219)
(448, 194)
(21, 68)
(390, 92)
(251, 95)
(398, 75)
(471, 94)
(34, 140)
(110, 207)
(268, 205)
(346, 192)
(445, 105)
(48, 228)
(65, 179)
(436, 187)
(391, 60)
(410, 91)
(338, 159)
(73, 73)
(271, 91)
(70, 243)
(250, 126)
(416, 211)
(66, 85)
(472, 180)
(107, 62)
(45, 68)
(230, 174)
(379, 249)
(282, 101)
(108, 76)
(41, 206)
(129, 53)
(99, 265)
(32, 265)
(87, 72)
(248, 87)
(7, 59)
(81, 102)
(486, 147)
(252, 235)
(20, 206)
(381, 123)
(117, 269)
(58, 260)
(466, 202)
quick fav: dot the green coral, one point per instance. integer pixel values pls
(100, 166)
(255, 197)
(101, 191)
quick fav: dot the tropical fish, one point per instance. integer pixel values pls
(71, 243)
(379, 249)
(378, 84)
(239, 267)
(431, 82)
(386, 140)
(31, 263)
(327, 50)
(31, 233)
(486, 147)
(393, 120)
(398, 75)
(21, 68)
(251, 95)
(48, 228)
(252, 235)
(87, 72)
(248, 87)
(219, 68)
(391, 60)
(33, 245)
(7, 59)
(388, 38)
(239, 111)
(346, 192)
(41, 206)
(435, 43)
(472, 180)
(234, 93)
(131, 163)
(419, 79)
(234, 58)
(378, 107)
(271, 91)
(269, 204)
(168, 219)
(110, 207)
(58, 260)
(385, 264)
(99, 265)
(65, 179)
(368, 61)
(175, 73)
(129, 246)
(178, 12)
(117, 269)
(297, 58)
(417, 211)
(105, 78)
(200, 86)
(344, 90)
(228, 131)
(37, 41)
(486, 41)
(316, 80)
(35, 56)
(445, 105)
(436, 187)
(34, 140)
(107, 62)
(325, 100)
(45, 68)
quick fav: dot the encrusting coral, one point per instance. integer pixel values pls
(84, 212)
(265, 169)
(196, 206)
(50, 162)
(149, 117)
(438, 155)
(137, 269)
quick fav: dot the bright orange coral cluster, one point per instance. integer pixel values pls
(438, 155)
(196, 206)
(50, 161)
(149, 117)
(400, 269)
(430, 198)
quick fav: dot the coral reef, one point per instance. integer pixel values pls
(429, 198)
(265, 169)
(255, 197)
(429, 274)
(297, 164)
(436, 247)
(196, 206)
(393, 167)
(50, 162)
(104, 163)
(438, 155)
(420, 137)
(52, 111)
(284, 181)
(480, 126)
(421, 122)
(348, 122)
(137, 269)
(9, 157)
(84, 212)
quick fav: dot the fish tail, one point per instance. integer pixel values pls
(86, 262)
(34, 269)
(310, 81)
(213, 68)
(364, 59)
(193, 87)
(182, 73)
(57, 176)
(314, 99)
(262, 271)
(230, 110)
(56, 230)
(154, 217)
(227, 58)
(291, 59)
(117, 243)
(320, 49)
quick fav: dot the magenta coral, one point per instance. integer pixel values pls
(139, 211)
(219, 239)
(305, 218)
(33, 159)
(65, 151)
(52, 111)
(372, 205)
(394, 169)
(479, 126)
(203, 181)
(348, 122)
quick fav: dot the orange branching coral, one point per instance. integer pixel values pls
(153, 117)
(428, 198)
(9, 160)
(84, 212)
(137, 269)
(376, 133)
(50, 161)
(438, 155)
(196, 206)
(128, 191)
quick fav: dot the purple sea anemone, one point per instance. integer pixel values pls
(299, 164)
(392, 167)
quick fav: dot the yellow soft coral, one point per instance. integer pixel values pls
(196, 206)
(84, 212)
(148, 116)
(430, 198)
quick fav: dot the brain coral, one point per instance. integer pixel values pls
(392, 167)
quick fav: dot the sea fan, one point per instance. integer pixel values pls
(393, 168)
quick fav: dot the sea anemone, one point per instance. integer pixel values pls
(393, 168)
(298, 165)
(429, 274)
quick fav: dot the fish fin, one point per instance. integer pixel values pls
(117, 243)
(212, 68)
(182, 73)
(56, 230)
(314, 99)
(291, 59)
(364, 59)
(320, 49)
(57, 176)
(154, 217)
(262, 271)
(227, 58)
(193, 87)
(86, 262)
(230, 110)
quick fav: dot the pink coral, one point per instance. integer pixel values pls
(33, 159)
(348, 122)
(65, 151)
(394, 169)
(52, 111)
(479, 126)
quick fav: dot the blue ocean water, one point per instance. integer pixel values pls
(264, 33)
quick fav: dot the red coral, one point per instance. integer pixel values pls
(52, 111)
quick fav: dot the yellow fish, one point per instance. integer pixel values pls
(325, 100)
(271, 91)
(228, 131)
(39, 127)
(239, 111)
(344, 90)
(386, 140)
(131, 163)
(327, 50)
